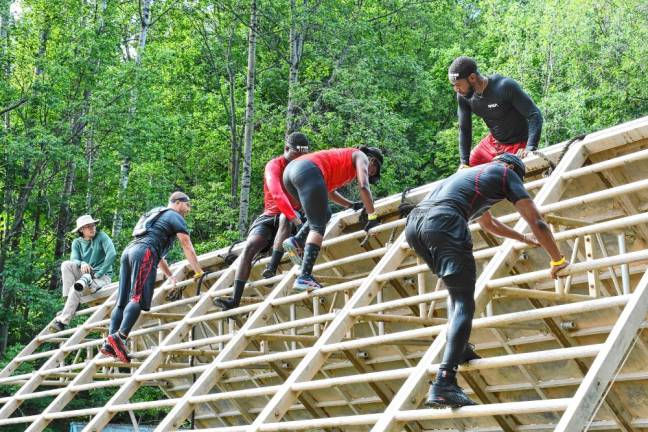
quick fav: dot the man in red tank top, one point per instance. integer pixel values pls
(314, 179)
(274, 225)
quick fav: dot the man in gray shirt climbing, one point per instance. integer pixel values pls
(514, 121)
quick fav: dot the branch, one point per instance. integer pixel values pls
(13, 106)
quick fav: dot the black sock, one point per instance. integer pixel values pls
(310, 256)
(302, 234)
(239, 285)
(447, 374)
(275, 259)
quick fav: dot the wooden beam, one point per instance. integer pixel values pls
(606, 363)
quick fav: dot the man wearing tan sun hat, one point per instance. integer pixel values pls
(89, 268)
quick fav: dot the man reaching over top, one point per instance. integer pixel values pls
(154, 235)
(514, 121)
(437, 230)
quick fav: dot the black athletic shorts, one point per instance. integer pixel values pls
(265, 226)
(137, 273)
(440, 236)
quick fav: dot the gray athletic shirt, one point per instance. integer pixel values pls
(162, 233)
(507, 110)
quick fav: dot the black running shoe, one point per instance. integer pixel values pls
(445, 394)
(107, 350)
(225, 305)
(119, 346)
(469, 354)
(58, 326)
(268, 273)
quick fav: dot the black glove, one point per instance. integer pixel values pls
(371, 224)
(357, 205)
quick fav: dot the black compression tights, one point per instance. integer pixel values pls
(123, 319)
(461, 288)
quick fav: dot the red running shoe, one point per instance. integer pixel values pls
(119, 346)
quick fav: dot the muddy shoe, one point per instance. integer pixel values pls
(294, 250)
(306, 283)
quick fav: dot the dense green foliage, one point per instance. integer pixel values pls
(372, 72)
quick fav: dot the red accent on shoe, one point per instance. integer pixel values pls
(120, 350)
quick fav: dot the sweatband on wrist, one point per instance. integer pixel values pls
(561, 261)
(372, 216)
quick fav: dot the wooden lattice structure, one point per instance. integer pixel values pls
(357, 355)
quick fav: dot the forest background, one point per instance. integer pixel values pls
(107, 106)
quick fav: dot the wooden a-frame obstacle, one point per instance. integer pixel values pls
(568, 355)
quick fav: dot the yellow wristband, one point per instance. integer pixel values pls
(198, 275)
(372, 216)
(561, 261)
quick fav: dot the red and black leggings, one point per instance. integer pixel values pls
(138, 269)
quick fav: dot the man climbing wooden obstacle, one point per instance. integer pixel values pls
(313, 179)
(437, 230)
(274, 225)
(154, 235)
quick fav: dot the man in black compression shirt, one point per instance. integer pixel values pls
(437, 229)
(514, 121)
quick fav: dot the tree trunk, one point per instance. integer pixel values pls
(124, 172)
(235, 150)
(63, 220)
(249, 123)
(90, 152)
(297, 34)
(5, 23)
(90, 147)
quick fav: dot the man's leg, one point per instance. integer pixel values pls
(126, 278)
(70, 273)
(483, 152)
(283, 231)
(257, 240)
(144, 269)
(461, 289)
(318, 213)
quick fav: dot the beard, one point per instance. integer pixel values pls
(470, 92)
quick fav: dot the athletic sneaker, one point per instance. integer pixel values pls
(58, 326)
(447, 394)
(469, 354)
(119, 346)
(306, 283)
(294, 250)
(268, 273)
(225, 305)
(107, 350)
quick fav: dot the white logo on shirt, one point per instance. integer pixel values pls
(493, 105)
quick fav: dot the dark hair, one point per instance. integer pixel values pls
(374, 152)
(462, 67)
(297, 140)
